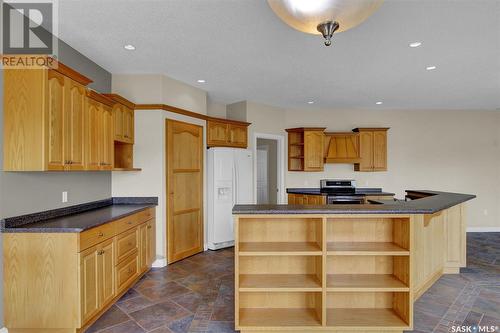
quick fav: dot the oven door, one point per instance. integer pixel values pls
(345, 200)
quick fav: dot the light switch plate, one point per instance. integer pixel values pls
(65, 196)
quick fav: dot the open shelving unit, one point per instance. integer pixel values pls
(323, 273)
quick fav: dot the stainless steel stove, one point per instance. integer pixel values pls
(341, 192)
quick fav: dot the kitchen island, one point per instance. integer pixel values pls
(335, 268)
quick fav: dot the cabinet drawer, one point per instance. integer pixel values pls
(126, 244)
(126, 272)
(96, 235)
(145, 215)
(126, 223)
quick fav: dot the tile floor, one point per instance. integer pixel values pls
(197, 295)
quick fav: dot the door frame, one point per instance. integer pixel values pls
(281, 197)
(266, 150)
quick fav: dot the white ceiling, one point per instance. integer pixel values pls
(245, 52)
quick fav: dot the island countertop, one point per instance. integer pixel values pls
(75, 219)
(429, 202)
(360, 191)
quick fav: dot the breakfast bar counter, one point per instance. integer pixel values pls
(336, 268)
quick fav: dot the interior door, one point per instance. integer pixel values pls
(262, 177)
(185, 189)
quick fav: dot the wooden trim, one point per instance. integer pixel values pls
(340, 134)
(69, 72)
(370, 129)
(301, 129)
(100, 97)
(120, 99)
(184, 112)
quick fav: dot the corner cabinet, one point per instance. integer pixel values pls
(44, 119)
(227, 133)
(306, 149)
(372, 149)
(66, 281)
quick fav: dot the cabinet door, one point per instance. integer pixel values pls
(94, 134)
(128, 125)
(313, 151)
(55, 131)
(238, 136)
(291, 199)
(107, 142)
(379, 151)
(118, 120)
(217, 134)
(105, 272)
(89, 291)
(74, 125)
(143, 247)
(151, 242)
(366, 151)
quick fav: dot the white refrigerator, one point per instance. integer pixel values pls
(230, 182)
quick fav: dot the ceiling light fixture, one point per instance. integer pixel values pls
(324, 16)
(129, 47)
(379, 103)
(201, 81)
(415, 44)
(431, 68)
(310, 102)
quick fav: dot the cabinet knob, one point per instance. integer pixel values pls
(129, 222)
(101, 252)
(100, 234)
(149, 227)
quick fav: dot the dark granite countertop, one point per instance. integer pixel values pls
(359, 191)
(77, 218)
(433, 202)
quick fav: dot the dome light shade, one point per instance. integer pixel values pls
(306, 15)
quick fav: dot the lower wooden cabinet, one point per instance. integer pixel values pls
(306, 199)
(65, 281)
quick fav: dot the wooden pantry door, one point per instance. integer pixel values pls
(184, 189)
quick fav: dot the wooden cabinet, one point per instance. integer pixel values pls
(43, 119)
(71, 278)
(373, 149)
(342, 148)
(306, 199)
(75, 139)
(100, 147)
(306, 149)
(123, 118)
(227, 133)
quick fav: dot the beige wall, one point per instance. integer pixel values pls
(160, 89)
(149, 147)
(215, 109)
(457, 151)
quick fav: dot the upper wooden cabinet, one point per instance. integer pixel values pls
(227, 133)
(100, 147)
(123, 117)
(342, 148)
(373, 149)
(44, 119)
(306, 149)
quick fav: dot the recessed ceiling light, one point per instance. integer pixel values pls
(129, 47)
(379, 103)
(415, 44)
(431, 68)
(310, 102)
(201, 81)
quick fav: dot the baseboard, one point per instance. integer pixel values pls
(480, 229)
(4, 330)
(158, 263)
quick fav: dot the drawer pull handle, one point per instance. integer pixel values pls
(129, 270)
(149, 227)
(129, 222)
(101, 252)
(100, 234)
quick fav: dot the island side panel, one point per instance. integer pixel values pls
(456, 238)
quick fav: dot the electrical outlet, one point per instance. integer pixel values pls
(65, 196)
